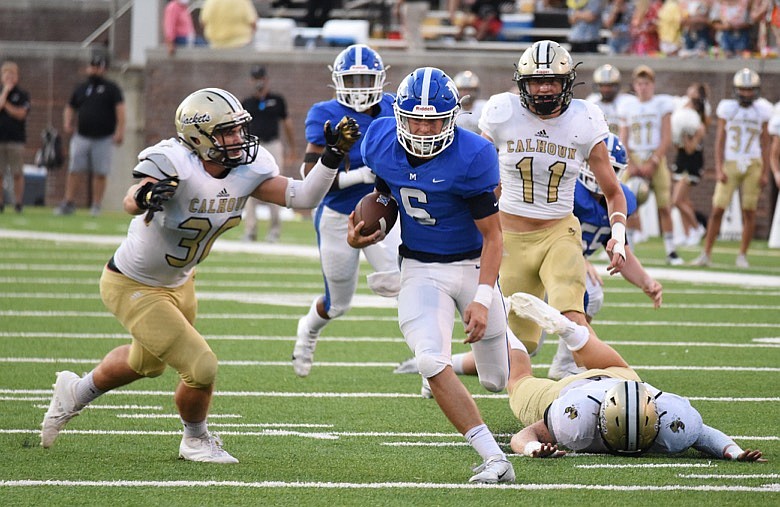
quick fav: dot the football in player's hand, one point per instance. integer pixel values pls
(378, 211)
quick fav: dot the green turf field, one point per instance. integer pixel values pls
(354, 433)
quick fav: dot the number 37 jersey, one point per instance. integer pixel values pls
(164, 252)
(540, 159)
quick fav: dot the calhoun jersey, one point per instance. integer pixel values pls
(434, 215)
(163, 252)
(344, 200)
(774, 122)
(469, 120)
(573, 418)
(644, 121)
(743, 127)
(594, 217)
(540, 159)
(610, 109)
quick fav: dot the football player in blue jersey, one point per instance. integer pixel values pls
(444, 179)
(359, 77)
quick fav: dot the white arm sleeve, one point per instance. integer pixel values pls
(307, 193)
(714, 442)
(355, 177)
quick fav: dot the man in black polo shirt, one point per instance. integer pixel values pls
(14, 106)
(95, 117)
(268, 111)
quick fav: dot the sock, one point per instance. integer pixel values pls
(669, 242)
(457, 363)
(481, 439)
(313, 321)
(86, 390)
(195, 430)
(576, 336)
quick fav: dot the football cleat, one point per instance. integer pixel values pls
(563, 364)
(532, 308)
(495, 469)
(408, 366)
(702, 260)
(62, 409)
(742, 261)
(303, 353)
(674, 260)
(206, 448)
(425, 390)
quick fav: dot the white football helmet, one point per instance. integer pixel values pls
(545, 59)
(426, 94)
(204, 115)
(359, 77)
(628, 418)
(607, 79)
(747, 85)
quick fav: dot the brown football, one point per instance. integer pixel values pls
(378, 211)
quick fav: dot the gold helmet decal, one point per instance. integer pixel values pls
(628, 418)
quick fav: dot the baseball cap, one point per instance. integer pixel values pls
(644, 71)
(258, 71)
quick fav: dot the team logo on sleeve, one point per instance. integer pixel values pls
(677, 426)
(571, 412)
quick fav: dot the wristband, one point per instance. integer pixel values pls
(734, 455)
(484, 295)
(617, 214)
(332, 157)
(531, 447)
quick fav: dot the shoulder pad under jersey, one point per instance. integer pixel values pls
(498, 108)
(161, 167)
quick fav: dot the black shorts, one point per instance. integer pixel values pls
(688, 165)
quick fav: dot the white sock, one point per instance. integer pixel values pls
(195, 430)
(669, 242)
(86, 390)
(314, 322)
(576, 336)
(457, 363)
(482, 440)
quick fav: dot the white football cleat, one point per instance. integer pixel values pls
(702, 260)
(742, 261)
(62, 409)
(425, 390)
(495, 469)
(531, 307)
(408, 366)
(303, 353)
(563, 364)
(207, 449)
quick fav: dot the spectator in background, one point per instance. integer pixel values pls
(484, 16)
(617, 19)
(585, 21)
(731, 19)
(14, 106)
(228, 23)
(178, 27)
(268, 111)
(696, 30)
(412, 14)
(644, 27)
(670, 27)
(95, 120)
(318, 12)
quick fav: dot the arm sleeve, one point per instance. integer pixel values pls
(307, 193)
(713, 442)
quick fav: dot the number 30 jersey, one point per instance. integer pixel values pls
(540, 159)
(164, 252)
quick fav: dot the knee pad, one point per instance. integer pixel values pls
(203, 371)
(493, 381)
(430, 365)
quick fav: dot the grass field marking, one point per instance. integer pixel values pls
(176, 416)
(269, 425)
(425, 444)
(773, 339)
(112, 407)
(729, 476)
(709, 464)
(767, 488)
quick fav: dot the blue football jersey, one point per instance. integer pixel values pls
(344, 200)
(433, 211)
(594, 218)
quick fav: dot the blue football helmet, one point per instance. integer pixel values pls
(426, 94)
(359, 77)
(617, 156)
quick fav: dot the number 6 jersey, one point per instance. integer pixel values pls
(540, 159)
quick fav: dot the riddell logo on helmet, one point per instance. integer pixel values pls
(424, 109)
(195, 119)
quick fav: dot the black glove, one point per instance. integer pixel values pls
(151, 196)
(339, 141)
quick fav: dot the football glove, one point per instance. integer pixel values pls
(339, 140)
(152, 195)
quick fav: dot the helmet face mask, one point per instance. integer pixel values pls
(628, 419)
(426, 94)
(207, 118)
(747, 86)
(545, 60)
(607, 79)
(359, 77)
(618, 157)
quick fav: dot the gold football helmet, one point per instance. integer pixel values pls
(607, 79)
(468, 86)
(545, 60)
(628, 418)
(747, 84)
(205, 116)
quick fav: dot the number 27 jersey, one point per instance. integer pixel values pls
(540, 159)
